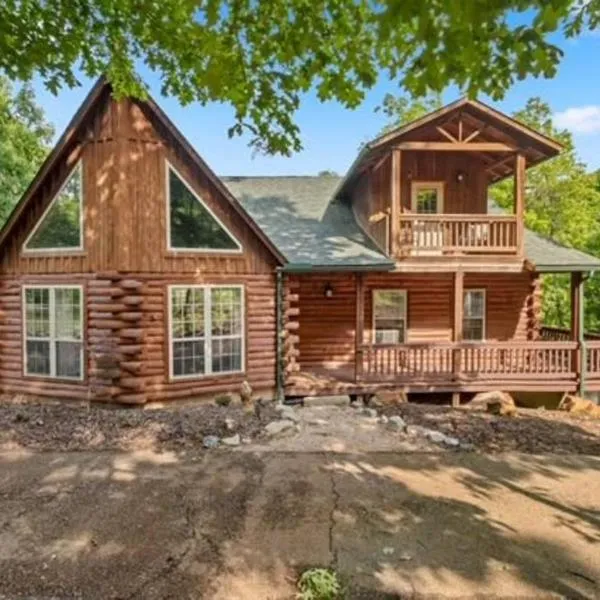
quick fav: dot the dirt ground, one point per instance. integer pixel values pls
(241, 525)
(49, 426)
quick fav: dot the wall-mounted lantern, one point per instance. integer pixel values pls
(460, 176)
(328, 291)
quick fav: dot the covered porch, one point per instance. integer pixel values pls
(516, 354)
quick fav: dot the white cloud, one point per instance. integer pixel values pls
(580, 119)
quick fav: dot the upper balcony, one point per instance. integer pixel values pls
(421, 191)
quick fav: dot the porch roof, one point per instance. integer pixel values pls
(314, 230)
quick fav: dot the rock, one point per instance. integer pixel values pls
(577, 405)
(223, 399)
(210, 441)
(369, 412)
(437, 437)
(318, 422)
(397, 422)
(467, 446)
(416, 430)
(390, 398)
(280, 407)
(383, 420)
(230, 424)
(290, 414)
(405, 556)
(246, 441)
(277, 427)
(497, 403)
(388, 550)
(246, 393)
(39, 422)
(234, 440)
(452, 442)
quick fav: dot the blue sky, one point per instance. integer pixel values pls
(331, 134)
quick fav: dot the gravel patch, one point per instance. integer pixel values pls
(533, 431)
(59, 425)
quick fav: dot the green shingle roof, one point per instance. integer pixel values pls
(312, 230)
(308, 229)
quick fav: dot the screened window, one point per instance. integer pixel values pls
(60, 226)
(53, 332)
(192, 226)
(474, 315)
(427, 197)
(206, 330)
(389, 316)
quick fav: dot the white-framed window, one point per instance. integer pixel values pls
(60, 228)
(191, 224)
(53, 331)
(427, 197)
(389, 316)
(474, 315)
(206, 330)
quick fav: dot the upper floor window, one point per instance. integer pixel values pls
(389, 316)
(53, 323)
(61, 225)
(474, 315)
(192, 225)
(427, 197)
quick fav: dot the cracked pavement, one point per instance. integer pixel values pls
(241, 525)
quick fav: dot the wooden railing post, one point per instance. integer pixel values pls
(457, 329)
(360, 325)
(520, 201)
(577, 329)
(395, 204)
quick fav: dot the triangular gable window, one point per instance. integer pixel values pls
(192, 225)
(60, 228)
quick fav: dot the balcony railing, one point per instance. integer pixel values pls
(421, 235)
(497, 361)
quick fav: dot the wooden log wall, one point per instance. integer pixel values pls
(327, 325)
(126, 339)
(291, 339)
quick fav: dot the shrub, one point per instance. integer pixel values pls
(319, 584)
(223, 400)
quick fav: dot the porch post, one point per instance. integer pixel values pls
(395, 204)
(457, 328)
(519, 194)
(360, 325)
(577, 314)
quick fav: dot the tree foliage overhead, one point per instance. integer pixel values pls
(24, 139)
(261, 56)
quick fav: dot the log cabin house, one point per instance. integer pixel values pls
(131, 273)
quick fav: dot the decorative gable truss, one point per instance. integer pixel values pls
(60, 228)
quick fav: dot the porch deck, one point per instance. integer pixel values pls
(539, 366)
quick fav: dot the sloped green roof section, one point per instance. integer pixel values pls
(308, 229)
(314, 231)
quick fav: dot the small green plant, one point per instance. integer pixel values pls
(223, 400)
(319, 584)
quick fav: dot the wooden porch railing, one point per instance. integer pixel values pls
(457, 234)
(556, 334)
(471, 361)
(592, 359)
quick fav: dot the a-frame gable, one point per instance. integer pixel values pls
(64, 150)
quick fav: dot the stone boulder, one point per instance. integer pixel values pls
(497, 403)
(577, 405)
(389, 398)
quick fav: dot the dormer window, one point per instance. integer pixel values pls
(192, 226)
(60, 228)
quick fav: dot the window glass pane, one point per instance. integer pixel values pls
(389, 315)
(226, 312)
(187, 312)
(188, 358)
(473, 329)
(67, 307)
(191, 224)
(226, 354)
(427, 201)
(38, 357)
(68, 359)
(61, 227)
(37, 317)
(474, 304)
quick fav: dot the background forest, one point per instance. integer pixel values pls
(562, 202)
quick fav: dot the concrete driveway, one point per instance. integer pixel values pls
(239, 525)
